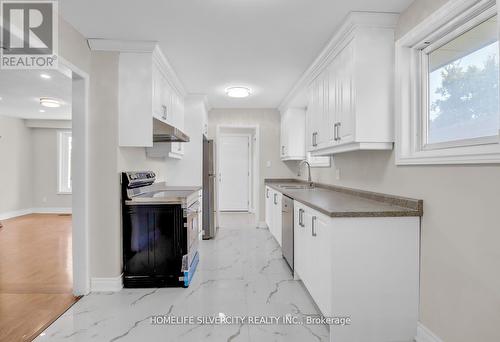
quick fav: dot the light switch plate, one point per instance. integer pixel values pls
(268, 164)
(337, 174)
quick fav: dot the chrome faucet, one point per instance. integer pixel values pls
(311, 184)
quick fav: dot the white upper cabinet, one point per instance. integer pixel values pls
(148, 89)
(293, 134)
(350, 88)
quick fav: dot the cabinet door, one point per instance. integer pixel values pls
(345, 130)
(319, 262)
(157, 93)
(333, 103)
(322, 117)
(271, 211)
(309, 119)
(299, 240)
(306, 275)
(269, 207)
(277, 216)
(285, 117)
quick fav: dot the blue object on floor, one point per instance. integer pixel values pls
(188, 275)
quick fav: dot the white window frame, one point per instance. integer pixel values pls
(63, 166)
(451, 20)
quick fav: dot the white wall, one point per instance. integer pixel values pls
(269, 122)
(460, 277)
(29, 162)
(16, 165)
(44, 171)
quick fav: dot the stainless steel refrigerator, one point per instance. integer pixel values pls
(209, 178)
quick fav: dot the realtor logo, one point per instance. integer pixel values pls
(29, 35)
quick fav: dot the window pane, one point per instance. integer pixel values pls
(463, 86)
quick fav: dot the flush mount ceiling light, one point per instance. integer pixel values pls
(238, 92)
(42, 110)
(45, 76)
(49, 102)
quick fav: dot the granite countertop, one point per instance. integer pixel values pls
(337, 201)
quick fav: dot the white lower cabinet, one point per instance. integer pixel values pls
(277, 216)
(364, 268)
(269, 206)
(312, 260)
(274, 217)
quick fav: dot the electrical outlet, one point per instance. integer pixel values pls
(337, 174)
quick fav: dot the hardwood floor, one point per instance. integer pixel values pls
(35, 274)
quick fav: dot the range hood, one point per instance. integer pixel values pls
(163, 132)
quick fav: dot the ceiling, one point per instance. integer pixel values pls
(212, 44)
(21, 90)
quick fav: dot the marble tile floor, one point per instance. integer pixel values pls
(241, 273)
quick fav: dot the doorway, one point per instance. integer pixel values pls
(237, 168)
(234, 172)
(43, 241)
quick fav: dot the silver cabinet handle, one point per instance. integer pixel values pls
(267, 193)
(164, 112)
(313, 229)
(275, 198)
(282, 150)
(315, 139)
(301, 217)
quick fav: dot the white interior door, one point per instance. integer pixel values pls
(234, 173)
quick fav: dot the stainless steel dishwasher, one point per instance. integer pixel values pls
(287, 230)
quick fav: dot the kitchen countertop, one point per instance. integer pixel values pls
(337, 201)
(160, 193)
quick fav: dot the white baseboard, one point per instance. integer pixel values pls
(16, 213)
(11, 214)
(52, 210)
(262, 225)
(113, 284)
(425, 335)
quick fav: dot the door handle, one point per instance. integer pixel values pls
(315, 138)
(301, 217)
(275, 198)
(313, 229)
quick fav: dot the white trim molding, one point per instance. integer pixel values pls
(141, 46)
(112, 284)
(52, 210)
(408, 107)
(336, 44)
(425, 335)
(15, 213)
